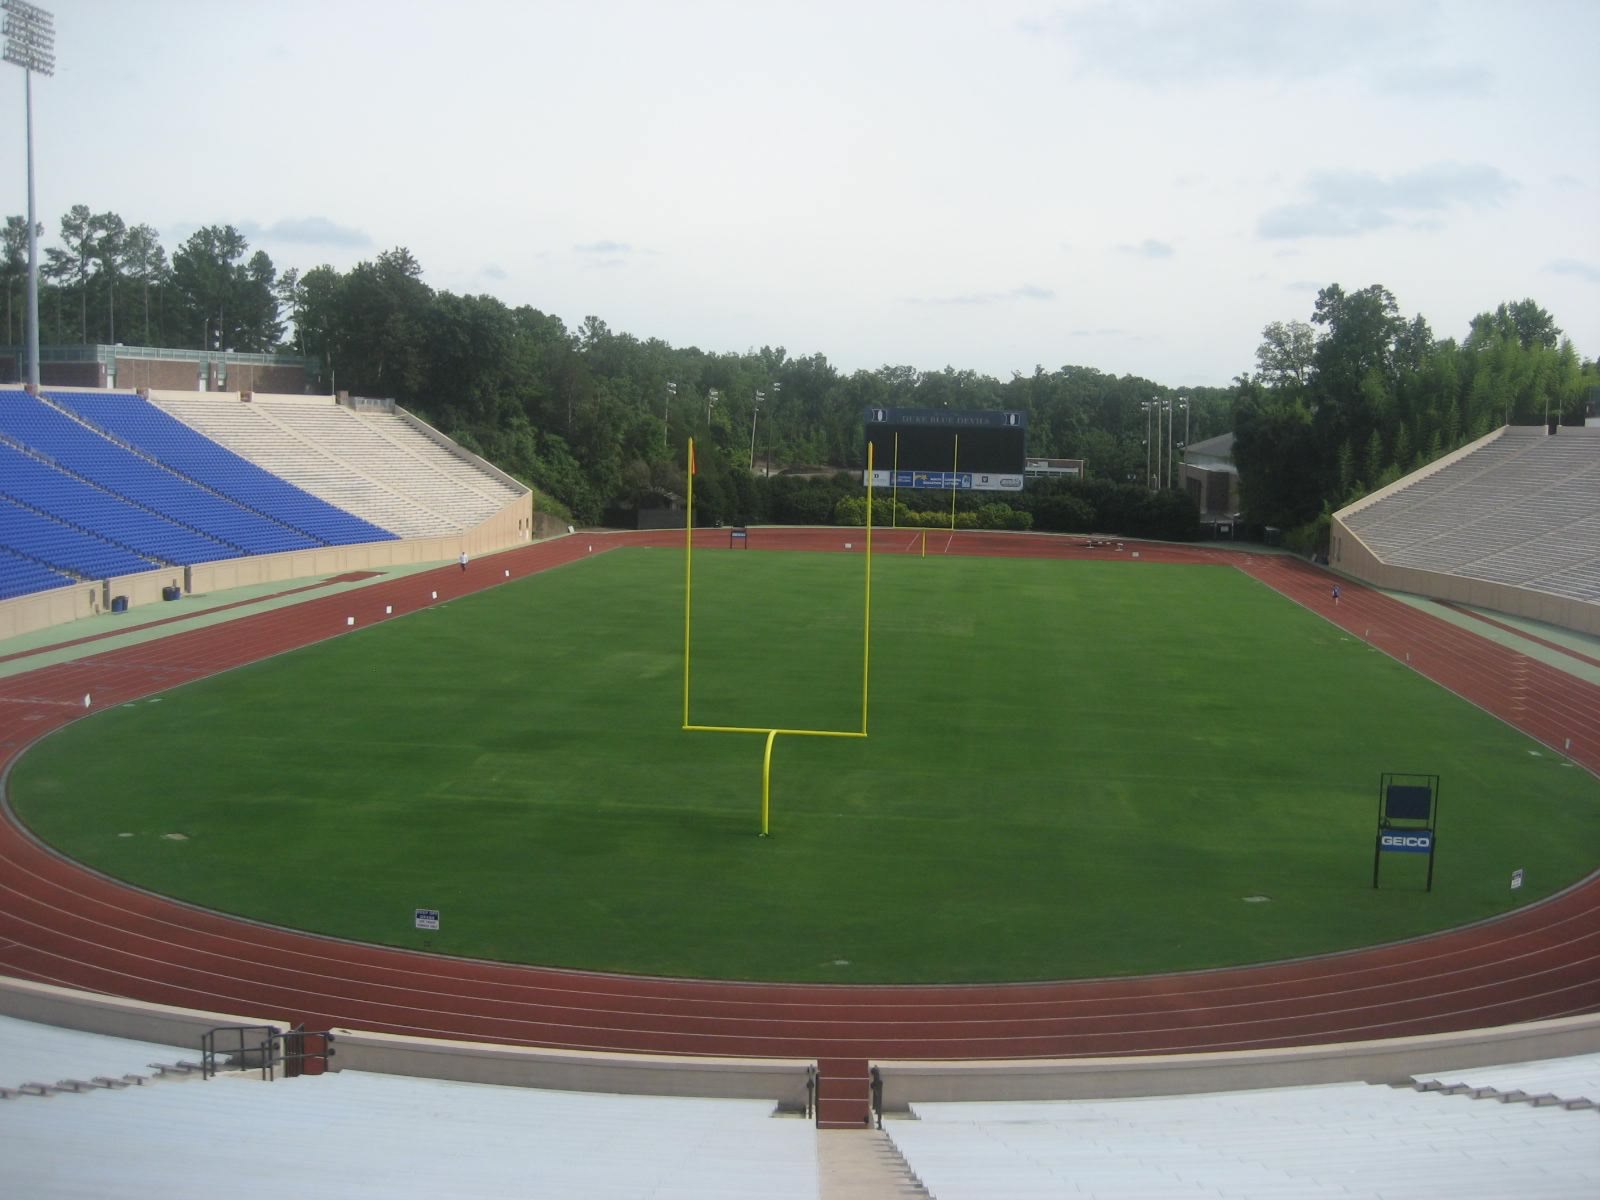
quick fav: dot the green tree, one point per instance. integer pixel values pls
(205, 281)
(109, 248)
(1286, 355)
(69, 265)
(382, 309)
(145, 261)
(1274, 448)
(14, 274)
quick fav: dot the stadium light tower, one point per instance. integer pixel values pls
(776, 388)
(1184, 445)
(666, 407)
(30, 44)
(755, 411)
(1149, 447)
(1159, 405)
(711, 402)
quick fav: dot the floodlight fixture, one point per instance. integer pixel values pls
(30, 44)
(30, 37)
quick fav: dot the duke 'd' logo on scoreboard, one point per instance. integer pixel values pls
(1409, 841)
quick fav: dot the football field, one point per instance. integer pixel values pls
(1073, 769)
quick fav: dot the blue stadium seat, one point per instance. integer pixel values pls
(84, 452)
(47, 540)
(141, 424)
(140, 534)
(21, 576)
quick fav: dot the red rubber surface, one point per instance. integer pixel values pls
(67, 925)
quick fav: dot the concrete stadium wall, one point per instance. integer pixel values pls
(511, 526)
(91, 1012)
(1385, 1061)
(142, 374)
(781, 1080)
(1352, 556)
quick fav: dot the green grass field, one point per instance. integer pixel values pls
(1074, 769)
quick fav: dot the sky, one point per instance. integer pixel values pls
(1138, 187)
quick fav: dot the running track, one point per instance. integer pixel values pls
(67, 925)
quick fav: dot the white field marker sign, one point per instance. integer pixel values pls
(1516, 879)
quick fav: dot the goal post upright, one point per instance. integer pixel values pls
(955, 481)
(771, 732)
(866, 636)
(688, 580)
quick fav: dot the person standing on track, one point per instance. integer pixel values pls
(464, 560)
(1335, 592)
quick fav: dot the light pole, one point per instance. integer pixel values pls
(666, 408)
(30, 44)
(776, 388)
(1159, 405)
(755, 412)
(711, 402)
(1149, 447)
(1184, 445)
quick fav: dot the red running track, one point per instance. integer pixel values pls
(68, 925)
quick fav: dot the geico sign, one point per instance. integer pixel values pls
(1406, 841)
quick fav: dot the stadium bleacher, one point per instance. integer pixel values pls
(1522, 509)
(189, 453)
(354, 1134)
(1351, 1139)
(256, 431)
(399, 457)
(76, 447)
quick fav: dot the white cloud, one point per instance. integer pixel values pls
(1026, 291)
(1587, 272)
(1350, 203)
(1149, 248)
(1162, 44)
(307, 231)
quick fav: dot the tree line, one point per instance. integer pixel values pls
(598, 419)
(1362, 395)
(109, 282)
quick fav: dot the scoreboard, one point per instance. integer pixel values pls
(944, 450)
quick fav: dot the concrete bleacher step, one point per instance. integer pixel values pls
(856, 1165)
(179, 1070)
(844, 1093)
(1508, 1096)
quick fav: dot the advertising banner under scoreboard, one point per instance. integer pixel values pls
(945, 481)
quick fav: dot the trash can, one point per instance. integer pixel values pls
(171, 592)
(119, 604)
